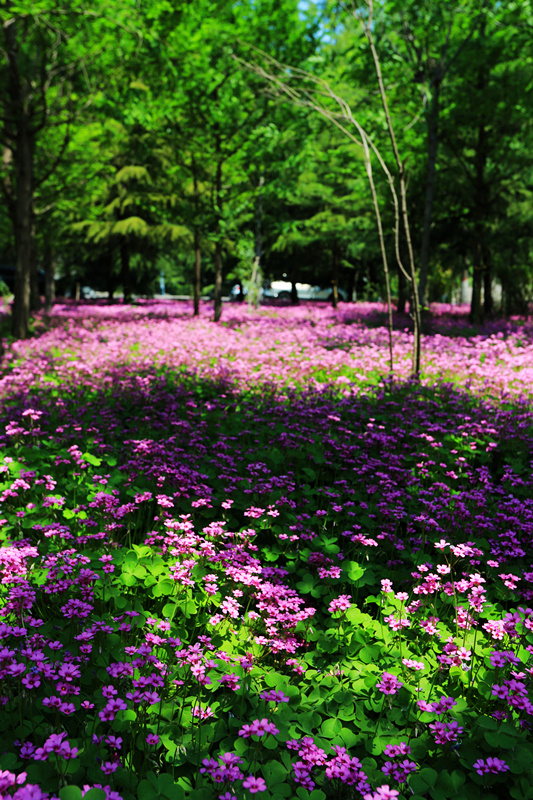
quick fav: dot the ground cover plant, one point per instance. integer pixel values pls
(236, 561)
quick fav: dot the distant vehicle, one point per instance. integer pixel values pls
(281, 290)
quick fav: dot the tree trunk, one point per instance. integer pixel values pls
(476, 310)
(197, 272)
(402, 292)
(488, 301)
(218, 280)
(335, 277)
(49, 270)
(433, 146)
(481, 200)
(295, 300)
(256, 268)
(19, 151)
(197, 282)
(35, 295)
(415, 305)
(218, 244)
(24, 231)
(125, 271)
(475, 303)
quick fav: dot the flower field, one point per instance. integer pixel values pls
(236, 561)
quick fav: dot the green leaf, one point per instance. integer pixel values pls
(369, 654)
(71, 793)
(349, 738)
(167, 788)
(8, 761)
(94, 794)
(330, 728)
(353, 570)
(274, 773)
(421, 781)
(92, 459)
(145, 791)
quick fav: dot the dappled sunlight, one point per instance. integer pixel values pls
(236, 560)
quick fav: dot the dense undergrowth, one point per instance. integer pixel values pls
(214, 587)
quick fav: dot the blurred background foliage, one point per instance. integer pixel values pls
(139, 152)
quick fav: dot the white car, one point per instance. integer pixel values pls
(281, 290)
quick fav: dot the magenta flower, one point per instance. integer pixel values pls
(389, 684)
(254, 785)
(382, 793)
(203, 713)
(277, 697)
(259, 727)
(152, 738)
(342, 603)
(491, 765)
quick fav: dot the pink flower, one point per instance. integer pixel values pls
(493, 765)
(258, 727)
(389, 683)
(382, 793)
(254, 785)
(342, 603)
(203, 713)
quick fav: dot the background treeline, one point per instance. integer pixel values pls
(138, 139)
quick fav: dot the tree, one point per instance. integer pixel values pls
(217, 111)
(304, 88)
(424, 42)
(44, 83)
(488, 139)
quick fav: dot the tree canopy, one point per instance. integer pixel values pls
(141, 140)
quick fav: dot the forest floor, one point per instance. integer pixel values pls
(237, 559)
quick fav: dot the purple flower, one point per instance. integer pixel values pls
(342, 603)
(382, 793)
(491, 765)
(277, 697)
(254, 785)
(389, 684)
(258, 727)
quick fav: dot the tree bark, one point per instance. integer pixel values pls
(475, 303)
(414, 305)
(402, 292)
(197, 271)
(476, 309)
(481, 193)
(254, 292)
(20, 148)
(218, 281)
(295, 300)
(24, 230)
(125, 271)
(35, 295)
(335, 276)
(49, 270)
(488, 301)
(433, 146)
(218, 244)
(197, 253)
